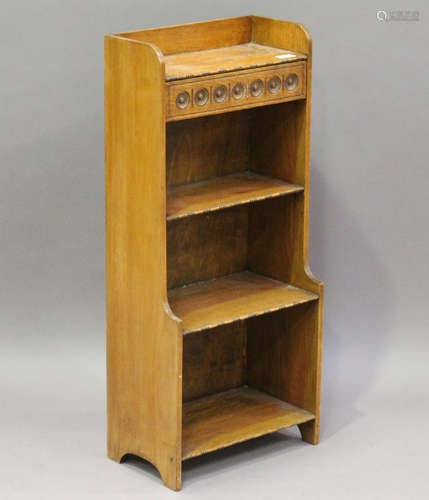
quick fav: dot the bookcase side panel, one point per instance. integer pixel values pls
(293, 164)
(294, 36)
(281, 34)
(144, 339)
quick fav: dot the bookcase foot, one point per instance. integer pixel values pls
(310, 431)
(171, 476)
(214, 321)
(116, 456)
(170, 473)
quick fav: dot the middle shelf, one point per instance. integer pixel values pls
(232, 298)
(224, 192)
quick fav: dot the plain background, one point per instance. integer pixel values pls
(369, 242)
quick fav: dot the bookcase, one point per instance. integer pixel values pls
(214, 320)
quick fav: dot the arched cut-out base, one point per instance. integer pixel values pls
(170, 475)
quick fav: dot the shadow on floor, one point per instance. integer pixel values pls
(236, 456)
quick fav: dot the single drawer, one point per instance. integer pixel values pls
(242, 89)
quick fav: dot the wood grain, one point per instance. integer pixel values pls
(275, 146)
(144, 340)
(252, 334)
(234, 416)
(274, 224)
(196, 36)
(245, 78)
(232, 298)
(282, 34)
(214, 361)
(282, 355)
(206, 246)
(207, 147)
(224, 192)
(294, 36)
(225, 59)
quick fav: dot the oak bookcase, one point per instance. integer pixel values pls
(214, 319)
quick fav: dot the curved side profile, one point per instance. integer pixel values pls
(294, 36)
(252, 362)
(144, 339)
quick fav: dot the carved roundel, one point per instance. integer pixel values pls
(291, 82)
(238, 91)
(220, 93)
(201, 97)
(274, 85)
(182, 100)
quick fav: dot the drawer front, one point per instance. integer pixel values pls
(241, 90)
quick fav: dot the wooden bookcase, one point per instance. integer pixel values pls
(214, 319)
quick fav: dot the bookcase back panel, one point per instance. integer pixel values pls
(206, 246)
(277, 136)
(275, 225)
(215, 361)
(268, 140)
(207, 147)
(196, 36)
(283, 355)
(262, 237)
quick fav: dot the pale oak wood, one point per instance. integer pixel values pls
(214, 361)
(207, 246)
(282, 355)
(245, 78)
(226, 59)
(234, 416)
(236, 297)
(294, 36)
(141, 365)
(144, 336)
(285, 35)
(196, 36)
(224, 192)
(195, 155)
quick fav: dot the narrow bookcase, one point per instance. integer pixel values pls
(214, 320)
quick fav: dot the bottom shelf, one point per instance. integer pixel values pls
(233, 416)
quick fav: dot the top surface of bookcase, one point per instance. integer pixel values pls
(225, 45)
(225, 59)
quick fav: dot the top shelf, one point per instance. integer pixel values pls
(226, 59)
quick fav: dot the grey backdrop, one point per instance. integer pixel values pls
(368, 241)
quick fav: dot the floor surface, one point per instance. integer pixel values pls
(374, 442)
